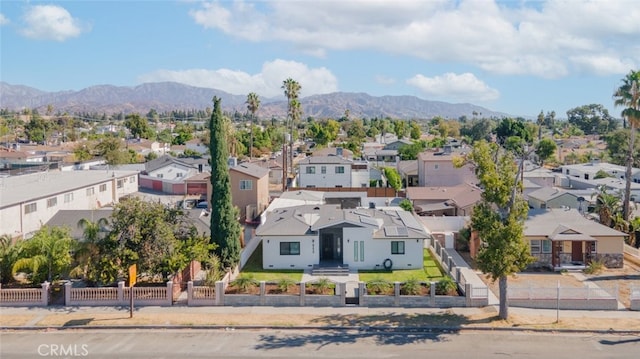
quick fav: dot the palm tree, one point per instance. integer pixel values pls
(47, 254)
(607, 206)
(291, 91)
(253, 103)
(87, 254)
(9, 254)
(628, 96)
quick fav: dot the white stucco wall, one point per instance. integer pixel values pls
(328, 179)
(377, 250)
(309, 253)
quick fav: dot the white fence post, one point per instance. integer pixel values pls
(45, 293)
(170, 293)
(67, 293)
(189, 292)
(121, 298)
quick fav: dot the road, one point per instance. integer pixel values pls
(194, 343)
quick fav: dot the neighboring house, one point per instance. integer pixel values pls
(381, 157)
(397, 145)
(563, 238)
(553, 197)
(168, 175)
(249, 189)
(196, 144)
(444, 201)
(30, 200)
(445, 230)
(274, 166)
(408, 171)
(613, 186)
(543, 177)
(588, 171)
(71, 217)
(305, 236)
(332, 171)
(435, 168)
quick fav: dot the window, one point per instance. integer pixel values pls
(160, 175)
(90, 191)
(31, 207)
(323, 169)
(311, 170)
(339, 169)
(436, 166)
(103, 187)
(120, 183)
(535, 246)
(132, 179)
(289, 248)
(357, 257)
(246, 184)
(68, 197)
(361, 251)
(52, 202)
(397, 247)
(546, 246)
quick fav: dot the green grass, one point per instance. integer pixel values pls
(430, 273)
(254, 268)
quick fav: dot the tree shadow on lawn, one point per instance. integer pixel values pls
(392, 329)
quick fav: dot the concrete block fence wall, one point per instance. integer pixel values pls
(25, 297)
(635, 297)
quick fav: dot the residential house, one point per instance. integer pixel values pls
(305, 236)
(274, 166)
(196, 145)
(435, 168)
(445, 230)
(249, 189)
(30, 200)
(588, 171)
(563, 238)
(397, 145)
(553, 197)
(408, 171)
(332, 171)
(169, 175)
(444, 201)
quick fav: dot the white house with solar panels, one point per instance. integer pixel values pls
(311, 236)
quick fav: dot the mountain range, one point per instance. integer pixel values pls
(168, 96)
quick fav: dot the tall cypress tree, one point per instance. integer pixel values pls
(225, 229)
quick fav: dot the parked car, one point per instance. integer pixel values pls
(202, 204)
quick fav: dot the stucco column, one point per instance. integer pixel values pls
(396, 294)
(67, 293)
(121, 298)
(361, 294)
(45, 293)
(302, 293)
(263, 290)
(432, 289)
(219, 292)
(189, 292)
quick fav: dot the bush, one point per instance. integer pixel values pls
(284, 284)
(244, 283)
(411, 287)
(322, 286)
(214, 271)
(379, 286)
(594, 267)
(446, 286)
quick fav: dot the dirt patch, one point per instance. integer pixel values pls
(622, 279)
(274, 289)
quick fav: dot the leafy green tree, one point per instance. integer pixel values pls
(628, 96)
(592, 119)
(36, 129)
(545, 149)
(406, 205)
(139, 127)
(291, 92)
(183, 133)
(9, 254)
(225, 229)
(110, 148)
(414, 131)
(499, 216)
(253, 103)
(82, 152)
(411, 152)
(477, 130)
(393, 178)
(510, 127)
(46, 256)
(87, 253)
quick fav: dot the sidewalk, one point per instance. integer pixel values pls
(316, 317)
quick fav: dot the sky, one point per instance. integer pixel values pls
(517, 57)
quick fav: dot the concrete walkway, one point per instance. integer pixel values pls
(471, 276)
(351, 280)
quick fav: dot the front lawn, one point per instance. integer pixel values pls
(430, 273)
(254, 268)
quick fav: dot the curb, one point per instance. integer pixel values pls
(359, 329)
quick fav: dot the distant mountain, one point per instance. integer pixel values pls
(168, 96)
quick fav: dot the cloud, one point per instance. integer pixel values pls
(464, 87)
(266, 83)
(3, 20)
(50, 22)
(547, 39)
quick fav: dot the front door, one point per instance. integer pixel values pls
(576, 251)
(331, 249)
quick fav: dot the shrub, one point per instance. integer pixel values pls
(322, 285)
(213, 272)
(379, 286)
(411, 287)
(446, 286)
(244, 283)
(594, 267)
(284, 284)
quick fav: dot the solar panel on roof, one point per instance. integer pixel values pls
(395, 231)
